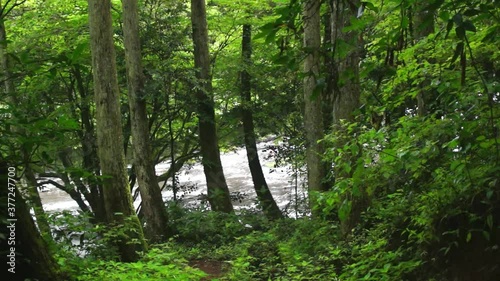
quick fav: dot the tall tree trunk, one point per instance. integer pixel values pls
(346, 98)
(4, 59)
(33, 259)
(117, 198)
(313, 117)
(218, 192)
(346, 90)
(153, 208)
(329, 67)
(89, 150)
(423, 26)
(269, 206)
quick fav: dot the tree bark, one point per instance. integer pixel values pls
(346, 99)
(36, 202)
(329, 67)
(269, 206)
(81, 189)
(424, 26)
(89, 151)
(4, 60)
(313, 113)
(218, 192)
(33, 259)
(117, 198)
(153, 208)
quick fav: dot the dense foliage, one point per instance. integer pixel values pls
(415, 172)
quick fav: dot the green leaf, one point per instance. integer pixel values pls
(458, 51)
(67, 123)
(75, 56)
(471, 12)
(468, 25)
(480, 138)
(356, 191)
(47, 157)
(386, 268)
(354, 148)
(489, 194)
(444, 15)
(318, 89)
(271, 36)
(451, 144)
(344, 210)
(455, 164)
(460, 32)
(491, 35)
(265, 30)
(458, 19)
(434, 6)
(469, 236)
(370, 6)
(486, 144)
(486, 235)
(489, 221)
(449, 26)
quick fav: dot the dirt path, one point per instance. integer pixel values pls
(214, 268)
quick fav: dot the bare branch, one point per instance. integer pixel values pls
(54, 183)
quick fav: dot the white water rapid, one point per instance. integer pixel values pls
(238, 178)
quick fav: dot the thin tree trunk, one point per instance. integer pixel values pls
(117, 198)
(81, 189)
(329, 67)
(36, 202)
(423, 26)
(313, 113)
(89, 151)
(67, 187)
(4, 60)
(264, 195)
(153, 208)
(218, 192)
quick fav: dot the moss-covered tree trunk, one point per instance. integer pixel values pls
(36, 202)
(153, 208)
(117, 198)
(33, 248)
(313, 113)
(218, 192)
(269, 206)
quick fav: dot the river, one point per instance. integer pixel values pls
(237, 173)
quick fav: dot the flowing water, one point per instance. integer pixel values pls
(235, 165)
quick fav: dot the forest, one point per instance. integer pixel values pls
(383, 114)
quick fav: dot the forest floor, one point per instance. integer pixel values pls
(213, 268)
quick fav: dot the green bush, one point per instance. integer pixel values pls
(161, 263)
(210, 228)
